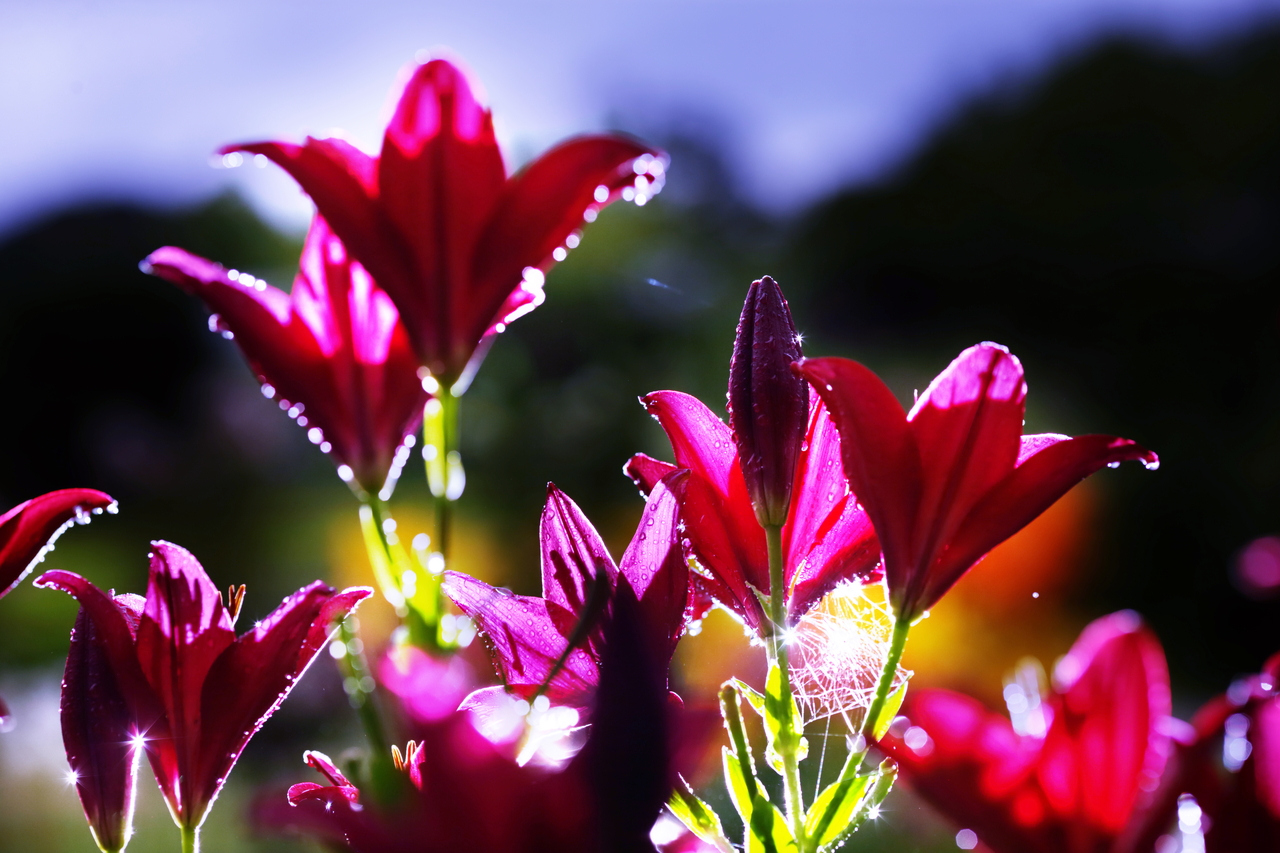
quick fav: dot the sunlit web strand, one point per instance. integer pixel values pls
(837, 652)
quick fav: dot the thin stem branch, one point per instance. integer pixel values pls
(778, 648)
(897, 644)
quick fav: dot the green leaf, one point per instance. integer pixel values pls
(890, 710)
(754, 697)
(697, 815)
(841, 799)
(781, 717)
(883, 778)
(737, 784)
(767, 831)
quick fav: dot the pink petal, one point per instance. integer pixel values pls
(1265, 736)
(527, 636)
(828, 538)
(429, 688)
(30, 528)
(645, 471)
(719, 521)
(655, 567)
(573, 555)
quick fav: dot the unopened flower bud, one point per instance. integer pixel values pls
(768, 404)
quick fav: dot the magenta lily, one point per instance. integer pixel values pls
(195, 692)
(956, 477)
(333, 350)
(1075, 771)
(461, 248)
(792, 451)
(553, 644)
(465, 792)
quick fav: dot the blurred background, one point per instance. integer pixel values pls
(1094, 184)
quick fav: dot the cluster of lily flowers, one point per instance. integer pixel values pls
(820, 499)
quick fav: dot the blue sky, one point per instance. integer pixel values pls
(128, 99)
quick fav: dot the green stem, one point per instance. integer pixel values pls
(359, 684)
(853, 762)
(731, 709)
(190, 838)
(897, 643)
(778, 647)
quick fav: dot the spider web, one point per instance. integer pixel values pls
(838, 650)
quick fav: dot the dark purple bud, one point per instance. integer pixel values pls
(768, 404)
(100, 739)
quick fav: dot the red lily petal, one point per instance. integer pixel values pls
(1023, 494)
(115, 626)
(439, 177)
(29, 529)
(967, 427)
(655, 567)
(539, 208)
(976, 770)
(98, 732)
(573, 555)
(183, 629)
(720, 523)
(526, 637)
(1106, 745)
(341, 180)
(828, 537)
(249, 680)
(645, 471)
(879, 453)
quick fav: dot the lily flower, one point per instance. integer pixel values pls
(948, 482)
(466, 792)
(196, 693)
(461, 248)
(28, 531)
(553, 645)
(1072, 772)
(792, 451)
(333, 350)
